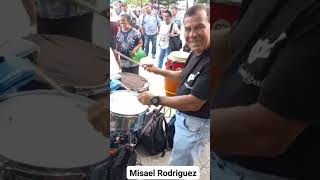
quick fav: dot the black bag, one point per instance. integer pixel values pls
(153, 136)
(175, 43)
(124, 157)
(171, 131)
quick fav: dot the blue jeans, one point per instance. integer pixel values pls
(153, 39)
(224, 170)
(163, 53)
(191, 135)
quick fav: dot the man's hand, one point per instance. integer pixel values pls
(151, 68)
(145, 98)
(98, 116)
(142, 31)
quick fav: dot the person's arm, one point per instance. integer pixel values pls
(252, 131)
(173, 75)
(175, 30)
(181, 103)
(30, 7)
(193, 101)
(141, 24)
(139, 45)
(158, 24)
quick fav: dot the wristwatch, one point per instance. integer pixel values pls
(155, 100)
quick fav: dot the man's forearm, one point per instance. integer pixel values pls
(221, 44)
(173, 75)
(182, 103)
(252, 131)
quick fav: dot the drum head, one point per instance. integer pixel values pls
(126, 103)
(50, 130)
(134, 81)
(179, 56)
(72, 62)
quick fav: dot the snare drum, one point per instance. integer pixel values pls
(134, 82)
(175, 62)
(78, 66)
(45, 134)
(125, 109)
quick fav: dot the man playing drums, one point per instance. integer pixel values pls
(191, 101)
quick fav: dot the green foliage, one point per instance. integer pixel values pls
(137, 2)
(202, 1)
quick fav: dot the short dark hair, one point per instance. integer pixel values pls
(126, 16)
(168, 12)
(196, 8)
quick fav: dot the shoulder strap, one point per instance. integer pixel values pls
(143, 130)
(171, 28)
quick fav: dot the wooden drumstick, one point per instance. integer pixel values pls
(127, 58)
(47, 79)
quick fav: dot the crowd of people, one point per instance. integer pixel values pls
(134, 27)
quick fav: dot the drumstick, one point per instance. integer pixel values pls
(46, 78)
(124, 86)
(127, 58)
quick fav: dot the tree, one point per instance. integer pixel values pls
(137, 2)
(202, 1)
(166, 3)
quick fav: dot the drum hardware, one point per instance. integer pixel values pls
(121, 137)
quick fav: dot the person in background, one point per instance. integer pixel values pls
(175, 18)
(141, 15)
(150, 26)
(133, 17)
(118, 7)
(165, 34)
(128, 42)
(192, 98)
(60, 17)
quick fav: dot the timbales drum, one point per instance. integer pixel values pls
(125, 110)
(175, 62)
